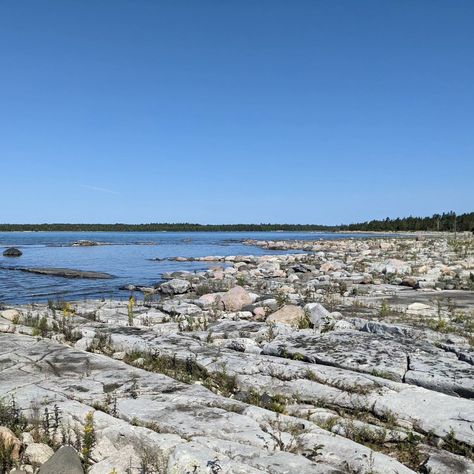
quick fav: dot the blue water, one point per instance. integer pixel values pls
(128, 259)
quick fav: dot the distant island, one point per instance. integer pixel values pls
(446, 222)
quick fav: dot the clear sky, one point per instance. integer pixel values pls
(225, 111)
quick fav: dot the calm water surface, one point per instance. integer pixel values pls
(128, 259)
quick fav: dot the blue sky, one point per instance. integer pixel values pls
(205, 111)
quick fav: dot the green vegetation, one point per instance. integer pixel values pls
(378, 437)
(44, 426)
(187, 371)
(286, 435)
(305, 322)
(88, 441)
(438, 222)
(446, 222)
(463, 248)
(130, 306)
(101, 342)
(12, 417)
(384, 309)
(276, 403)
(281, 299)
(7, 460)
(41, 328)
(45, 326)
(450, 443)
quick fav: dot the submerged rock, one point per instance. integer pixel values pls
(85, 243)
(12, 252)
(67, 273)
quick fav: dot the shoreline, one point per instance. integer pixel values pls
(291, 245)
(369, 232)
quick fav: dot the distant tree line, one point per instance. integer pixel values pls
(438, 222)
(447, 222)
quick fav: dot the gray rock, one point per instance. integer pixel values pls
(175, 287)
(445, 462)
(181, 308)
(243, 344)
(318, 315)
(271, 270)
(64, 461)
(400, 359)
(343, 325)
(302, 268)
(392, 267)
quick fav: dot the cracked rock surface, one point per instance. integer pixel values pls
(323, 361)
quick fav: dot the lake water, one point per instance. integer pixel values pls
(128, 259)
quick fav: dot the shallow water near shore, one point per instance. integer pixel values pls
(126, 255)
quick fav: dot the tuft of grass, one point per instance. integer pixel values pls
(463, 248)
(101, 342)
(287, 436)
(241, 281)
(304, 322)
(271, 333)
(282, 299)
(384, 309)
(41, 327)
(389, 418)
(451, 444)
(186, 371)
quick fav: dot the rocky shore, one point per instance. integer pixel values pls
(343, 356)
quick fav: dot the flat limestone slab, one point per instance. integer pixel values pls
(64, 272)
(167, 416)
(399, 358)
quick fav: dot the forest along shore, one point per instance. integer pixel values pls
(354, 356)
